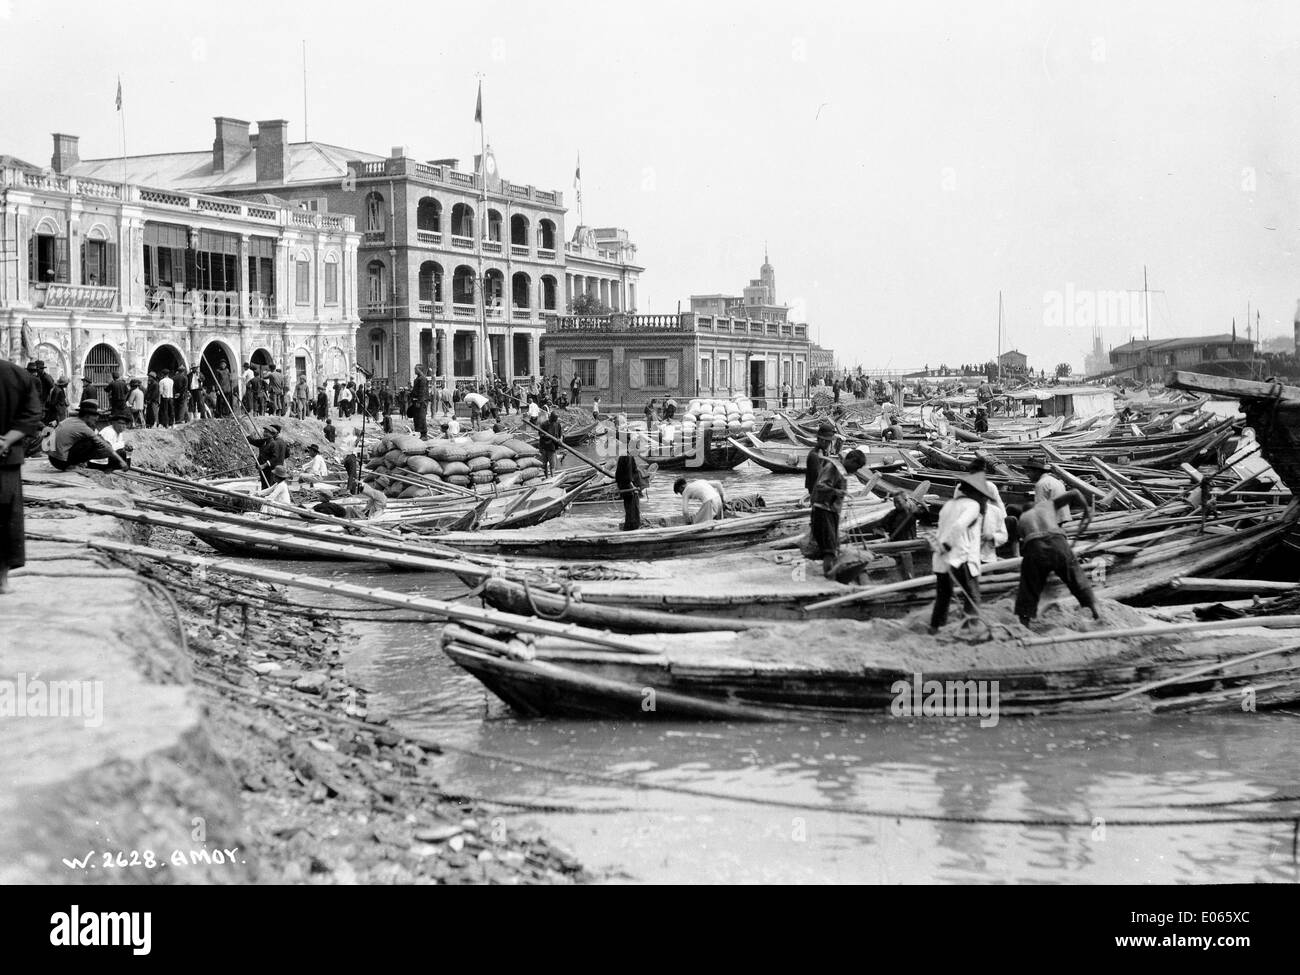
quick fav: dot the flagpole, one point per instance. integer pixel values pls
(483, 216)
(124, 244)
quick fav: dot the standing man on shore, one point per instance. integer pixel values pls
(419, 408)
(20, 418)
(117, 393)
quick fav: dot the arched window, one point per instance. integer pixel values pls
(518, 230)
(462, 285)
(550, 293)
(494, 291)
(462, 220)
(428, 215)
(375, 285)
(546, 234)
(374, 213)
(331, 281)
(431, 281)
(378, 339)
(521, 286)
(494, 225)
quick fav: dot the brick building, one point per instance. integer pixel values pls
(628, 360)
(98, 274)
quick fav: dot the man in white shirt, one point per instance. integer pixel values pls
(315, 469)
(956, 547)
(115, 435)
(708, 496)
(278, 491)
(167, 401)
(534, 411)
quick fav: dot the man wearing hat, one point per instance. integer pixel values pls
(277, 490)
(56, 404)
(956, 546)
(827, 498)
(825, 443)
(272, 450)
(115, 435)
(117, 392)
(77, 442)
(20, 418)
(981, 420)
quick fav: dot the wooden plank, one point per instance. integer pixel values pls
(1232, 388)
(1196, 584)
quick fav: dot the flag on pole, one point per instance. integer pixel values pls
(119, 93)
(478, 106)
(577, 172)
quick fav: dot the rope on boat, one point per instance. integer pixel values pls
(537, 610)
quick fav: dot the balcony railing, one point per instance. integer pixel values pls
(519, 250)
(169, 307)
(546, 253)
(459, 310)
(621, 322)
(432, 238)
(491, 247)
(521, 314)
(373, 237)
(464, 243)
(430, 307)
(175, 200)
(261, 306)
(495, 311)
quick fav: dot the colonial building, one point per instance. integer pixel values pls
(600, 262)
(1143, 359)
(627, 360)
(98, 274)
(452, 266)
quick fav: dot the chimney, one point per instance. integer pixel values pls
(65, 152)
(272, 151)
(230, 144)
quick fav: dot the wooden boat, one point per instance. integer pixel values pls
(716, 456)
(883, 669)
(794, 459)
(644, 543)
(532, 506)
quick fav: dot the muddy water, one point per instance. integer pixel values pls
(814, 785)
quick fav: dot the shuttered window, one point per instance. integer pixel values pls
(47, 257)
(331, 283)
(302, 282)
(585, 370)
(99, 263)
(656, 372)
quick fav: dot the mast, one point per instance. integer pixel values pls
(999, 335)
(1146, 317)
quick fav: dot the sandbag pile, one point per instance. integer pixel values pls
(725, 417)
(482, 459)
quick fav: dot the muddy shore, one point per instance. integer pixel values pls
(229, 744)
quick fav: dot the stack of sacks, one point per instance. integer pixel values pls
(480, 459)
(726, 417)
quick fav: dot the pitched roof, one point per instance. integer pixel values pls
(192, 171)
(1142, 345)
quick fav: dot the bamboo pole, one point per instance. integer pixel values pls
(582, 457)
(421, 604)
(1163, 629)
(1207, 669)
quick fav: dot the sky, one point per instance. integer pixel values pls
(902, 163)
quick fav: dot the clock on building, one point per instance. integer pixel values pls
(490, 163)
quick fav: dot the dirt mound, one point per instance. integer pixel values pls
(211, 447)
(905, 644)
